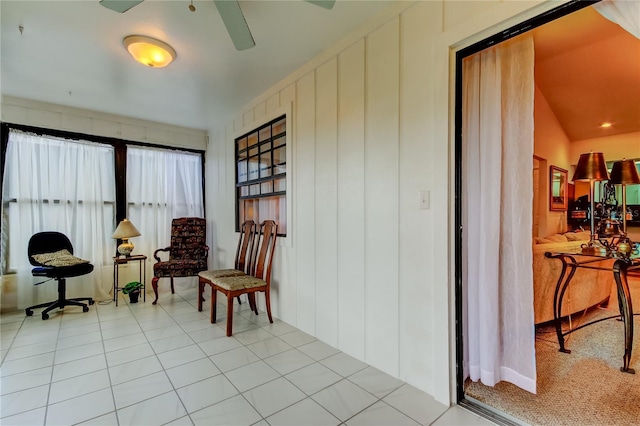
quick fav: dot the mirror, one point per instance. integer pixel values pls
(558, 189)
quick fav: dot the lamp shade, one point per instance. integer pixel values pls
(624, 172)
(149, 51)
(591, 167)
(125, 230)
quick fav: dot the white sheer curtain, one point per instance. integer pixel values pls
(497, 214)
(625, 13)
(59, 185)
(162, 185)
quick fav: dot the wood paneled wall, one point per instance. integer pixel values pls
(363, 268)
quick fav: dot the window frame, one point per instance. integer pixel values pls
(120, 160)
(283, 112)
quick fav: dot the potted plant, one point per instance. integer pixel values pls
(133, 290)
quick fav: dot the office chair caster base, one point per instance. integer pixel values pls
(45, 317)
(85, 309)
(91, 302)
(29, 312)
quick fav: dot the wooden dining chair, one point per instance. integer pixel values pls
(241, 264)
(258, 281)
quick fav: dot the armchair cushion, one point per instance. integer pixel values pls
(219, 273)
(179, 268)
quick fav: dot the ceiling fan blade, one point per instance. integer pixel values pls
(120, 5)
(327, 4)
(236, 24)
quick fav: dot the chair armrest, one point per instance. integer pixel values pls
(155, 253)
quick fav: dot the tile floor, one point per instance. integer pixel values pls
(140, 364)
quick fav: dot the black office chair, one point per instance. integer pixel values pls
(51, 242)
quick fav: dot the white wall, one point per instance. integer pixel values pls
(49, 116)
(364, 269)
(552, 144)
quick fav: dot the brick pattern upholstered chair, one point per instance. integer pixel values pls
(188, 252)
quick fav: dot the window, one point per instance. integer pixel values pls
(162, 184)
(54, 184)
(261, 175)
(82, 185)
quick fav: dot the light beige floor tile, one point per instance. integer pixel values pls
(25, 400)
(206, 392)
(78, 367)
(22, 381)
(80, 409)
(415, 404)
(28, 418)
(306, 412)
(192, 372)
(138, 390)
(381, 414)
(344, 399)
(155, 411)
(233, 411)
(26, 364)
(375, 381)
(134, 370)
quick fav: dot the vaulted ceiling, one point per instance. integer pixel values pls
(588, 69)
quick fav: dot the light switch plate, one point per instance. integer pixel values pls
(424, 203)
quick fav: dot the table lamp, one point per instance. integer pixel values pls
(124, 231)
(624, 173)
(592, 168)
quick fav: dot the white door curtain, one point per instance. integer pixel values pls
(497, 133)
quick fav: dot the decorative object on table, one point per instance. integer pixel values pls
(188, 252)
(558, 188)
(133, 290)
(592, 168)
(124, 231)
(623, 173)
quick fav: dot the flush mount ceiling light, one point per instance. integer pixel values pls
(605, 125)
(149, 51)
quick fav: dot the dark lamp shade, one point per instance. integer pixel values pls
(625, 173)
(591, 166)
(125, 229)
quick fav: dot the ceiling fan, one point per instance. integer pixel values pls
(230, 13)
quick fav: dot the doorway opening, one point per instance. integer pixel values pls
(545, 220)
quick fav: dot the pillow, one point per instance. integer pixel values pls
(572, 236)
(58, 259)
(542, 241)
(557, 238)
(583, 236)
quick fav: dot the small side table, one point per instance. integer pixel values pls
(117, 261)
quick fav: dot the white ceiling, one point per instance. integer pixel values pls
(71, 53)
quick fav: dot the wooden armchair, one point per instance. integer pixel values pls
(188, 252)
